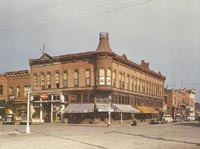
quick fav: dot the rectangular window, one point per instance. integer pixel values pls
(57, 80)
(114, 79)
(76, 78)
(42, 81)
(48, 80)
(128, 82)
(18, 92)
(101, 77)
(123, 81)
(120, 80)
(108, 77)
(136, 84)
(87, 77)
(35, 80)
(65, 79)
(1, 89)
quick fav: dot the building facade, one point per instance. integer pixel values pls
(92, 78)
(13, 90)
(180, 102)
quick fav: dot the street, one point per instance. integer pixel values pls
(184, 135)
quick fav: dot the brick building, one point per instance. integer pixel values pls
(181, 102)
(3, 94)
(13, 94)
(87, 82)
(174, 102)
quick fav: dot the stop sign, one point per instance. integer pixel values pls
(44, 96)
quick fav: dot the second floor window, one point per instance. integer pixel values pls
(25, 91)
(1, 89)
(65, 79)
(108, 77)
(114, 79)
(87, 77)
(48, 80)
(76, 78)
(10, 91)
(57, 80)
(35, 80)
(42, 81)
(101, 77)
(18, 92)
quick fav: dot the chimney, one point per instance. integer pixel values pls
(104, 45)
(144, 64)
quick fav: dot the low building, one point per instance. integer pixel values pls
(13, 90)
(180, 102)
(174, 102)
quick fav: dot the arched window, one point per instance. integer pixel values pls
(108, 77)
(101, 77)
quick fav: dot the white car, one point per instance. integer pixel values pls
(167, 118)
(191, 118)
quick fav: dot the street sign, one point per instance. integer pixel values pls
(44, 96)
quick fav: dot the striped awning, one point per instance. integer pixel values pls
(103, 107)
(79, 108)
(149, 110)
(124, 108)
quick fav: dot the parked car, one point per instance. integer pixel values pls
(178, 118)
(155, 121)
(167, 118)
(190, 118)
(197, 118)
(9, 119)
(24, 119)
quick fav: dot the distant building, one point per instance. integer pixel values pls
(13, 94)
(86, 82)
(180, 101)
(197, 108)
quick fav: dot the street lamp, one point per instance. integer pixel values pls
(28, 105)
(109, 110)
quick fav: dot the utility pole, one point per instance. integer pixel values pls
(28, 111)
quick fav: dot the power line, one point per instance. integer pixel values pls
(49, 15)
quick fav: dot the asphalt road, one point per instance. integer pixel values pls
(184, 135)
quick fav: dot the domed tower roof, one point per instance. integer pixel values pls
(104, 43)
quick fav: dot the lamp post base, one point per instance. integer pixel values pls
(108, 125)
(28, 130)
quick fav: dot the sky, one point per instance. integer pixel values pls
(164, 33)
